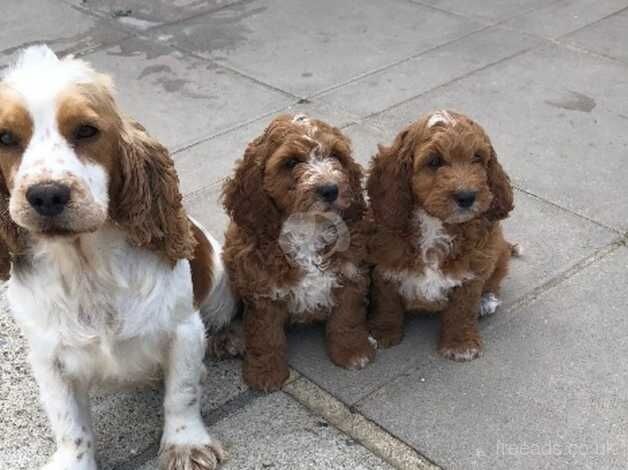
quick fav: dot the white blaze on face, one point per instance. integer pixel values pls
(40, 78)
(441, 117)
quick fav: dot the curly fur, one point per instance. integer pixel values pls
(282, 267)
(428, 252)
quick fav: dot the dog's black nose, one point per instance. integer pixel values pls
(48, 199)
(465, 199)
(328, 192)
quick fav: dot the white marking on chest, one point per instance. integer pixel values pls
(304, 240)
(431, 284)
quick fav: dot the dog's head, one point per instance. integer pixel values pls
(445, 164)
(70, 162)
(297, 165)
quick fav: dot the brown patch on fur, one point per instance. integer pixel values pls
(424, 168)
(15, 119)
(202, 266)
(268, 187)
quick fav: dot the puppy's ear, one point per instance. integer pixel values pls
(388, 184)
(499, 184)
(12, 237)
(145, 195)
(243, 194)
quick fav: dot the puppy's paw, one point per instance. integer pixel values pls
(386, 338)
(462, 352)
(191, 457)
(489, 304)
(353, 358)
(265, 376)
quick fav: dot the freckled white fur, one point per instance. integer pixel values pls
(488, 304)
(96, 310)
(303, 240)
(431, 284)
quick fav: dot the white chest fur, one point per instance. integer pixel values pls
(94, 304)
(307, 242)
(431, 284)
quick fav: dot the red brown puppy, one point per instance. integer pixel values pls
(296, 245)
(437, 196)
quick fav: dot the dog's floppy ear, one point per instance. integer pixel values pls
(501, 189)
(388, 184)
(243, 194)
(12, 237)
(146, 200)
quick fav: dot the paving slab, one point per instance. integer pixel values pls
(490, 11)
(304, 47)
(145, 14)
(549, 392)
(563, 17)
(436, 67)
(607, 37)
(549, 112)
(276, 432)
(553, 241)
(179, 98)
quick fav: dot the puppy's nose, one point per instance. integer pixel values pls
(328, 192)
(48, 199)
(465, 199)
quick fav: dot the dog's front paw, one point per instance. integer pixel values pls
(489, 304)
(69, 459)
(386, 338)
(191, 457)
(266, 375)
(352, 357)
(462, 352)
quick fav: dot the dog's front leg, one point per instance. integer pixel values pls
(265, 365)
(459, 337)
(66, 402)
(348, 343)
(186, 444)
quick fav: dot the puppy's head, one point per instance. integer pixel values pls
(297, 165)
(445, 164)
(69, 161)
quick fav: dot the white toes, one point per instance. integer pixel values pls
(489, 304)
(373, 342)
(359, 362)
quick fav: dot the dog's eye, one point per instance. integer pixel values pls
(8, 139)
(334, 156)
(435, 161)
(477, 158)
(85, 131)
(291, 163)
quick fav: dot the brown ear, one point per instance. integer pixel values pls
(12, 237)
(499, 184)
(244, 197)
(388, 184)
(146, 200)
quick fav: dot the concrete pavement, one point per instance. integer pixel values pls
(548, 79)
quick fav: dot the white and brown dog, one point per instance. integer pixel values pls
(107, 274)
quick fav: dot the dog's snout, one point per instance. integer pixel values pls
(465, 199)
(48, 199)
(328, 192)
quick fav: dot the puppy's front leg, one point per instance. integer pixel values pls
(387, 312)
(186, 444)
(67, 405)
(459, 337)
(265, 365)
(348, 342)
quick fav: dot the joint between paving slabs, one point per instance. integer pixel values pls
(355, 425)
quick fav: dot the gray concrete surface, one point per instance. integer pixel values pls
(549, 82)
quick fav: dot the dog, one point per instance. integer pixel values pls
(107, 275)
(295, 249)
(436, 198)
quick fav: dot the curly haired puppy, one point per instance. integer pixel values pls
(296, 246)
(107, 275)
(437, 195)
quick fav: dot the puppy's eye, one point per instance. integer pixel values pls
(477, 158)
(334, 156)
(435, 161)
(85, 131)
(8, 139)
(291, 163)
